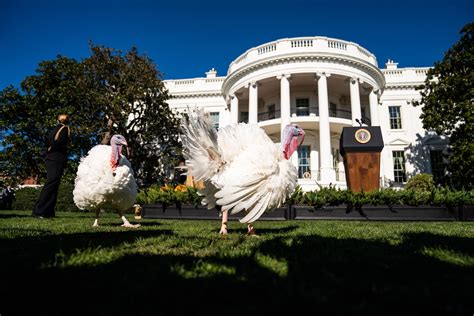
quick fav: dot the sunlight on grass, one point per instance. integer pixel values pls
(280, 267)
(449, 256)
(89, 257)
(203, 269)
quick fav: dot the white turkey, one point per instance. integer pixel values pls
(242, 169)
(105, 181)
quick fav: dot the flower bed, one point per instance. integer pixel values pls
(326, 203)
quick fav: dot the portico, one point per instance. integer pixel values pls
(320, 102)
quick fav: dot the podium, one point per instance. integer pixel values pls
(360, 147)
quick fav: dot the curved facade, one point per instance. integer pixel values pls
(322, 84)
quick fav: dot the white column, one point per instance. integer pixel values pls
(253, 103)
(284, 101)
(374, 109)
(234, 109)
(355, 101)
(224, 117)
(326, 168)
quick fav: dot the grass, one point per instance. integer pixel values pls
(320, 266)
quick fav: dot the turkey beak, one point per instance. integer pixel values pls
(124, 143)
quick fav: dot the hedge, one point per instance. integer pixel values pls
(26, 198)
(330, 196)
(169, 195)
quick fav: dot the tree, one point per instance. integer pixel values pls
(132, 96)
(447, 98)
(26, 117)
(106, 93)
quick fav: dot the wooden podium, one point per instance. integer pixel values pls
(361, 147)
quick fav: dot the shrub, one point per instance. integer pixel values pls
(26, 198)
(421, 182)
(169, 195)
(324, 197)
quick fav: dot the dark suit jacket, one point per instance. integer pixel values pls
(58, 148)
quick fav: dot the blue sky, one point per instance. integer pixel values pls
(187, 38)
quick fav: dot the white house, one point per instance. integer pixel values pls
(322, 84)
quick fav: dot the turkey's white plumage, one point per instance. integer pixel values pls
(242, 169)
(96, 186)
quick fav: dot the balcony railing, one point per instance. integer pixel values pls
(316, 175)
(302, 45)
(339, 113)
(271, 115)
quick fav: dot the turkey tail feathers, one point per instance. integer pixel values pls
(200, 142)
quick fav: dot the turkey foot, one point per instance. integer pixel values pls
(251, 231)
(223, 230)
(127, 224)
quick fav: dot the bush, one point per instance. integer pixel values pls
(26, 198)
(355, 200)
(169, 195)
(421, 182)
(324, 197)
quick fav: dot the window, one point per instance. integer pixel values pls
(302, 107)
(332, 109)
(335, 164)
(304, 162)
(399, 174)
(335, 158)
(244, 117)
(271, 112)
(437, 165)
(215, 119)
(364, 119)
(395, 117)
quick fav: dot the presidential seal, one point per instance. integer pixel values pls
(362, 135)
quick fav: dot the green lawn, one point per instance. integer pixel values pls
(323, 266)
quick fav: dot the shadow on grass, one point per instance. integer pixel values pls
(260, 230)
(13, 215)
(29, 253)
(323, 275)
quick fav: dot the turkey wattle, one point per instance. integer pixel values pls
(242, 169)
(105, 181)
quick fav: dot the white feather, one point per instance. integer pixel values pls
(242, 169)
(97, 188)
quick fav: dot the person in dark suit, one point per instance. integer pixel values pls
(55, 161)
(8, 196)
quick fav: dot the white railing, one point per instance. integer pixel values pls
(215, 80)
(337, 45)
(195, 85)
(241, 58)
(315, 174)
(302, 45)
(183, 82)
(364, 51)
(421, 72)
(393, 73)
(267, 49)
(405, 75)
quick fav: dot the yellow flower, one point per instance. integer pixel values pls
(181, 188)
(166, 188)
